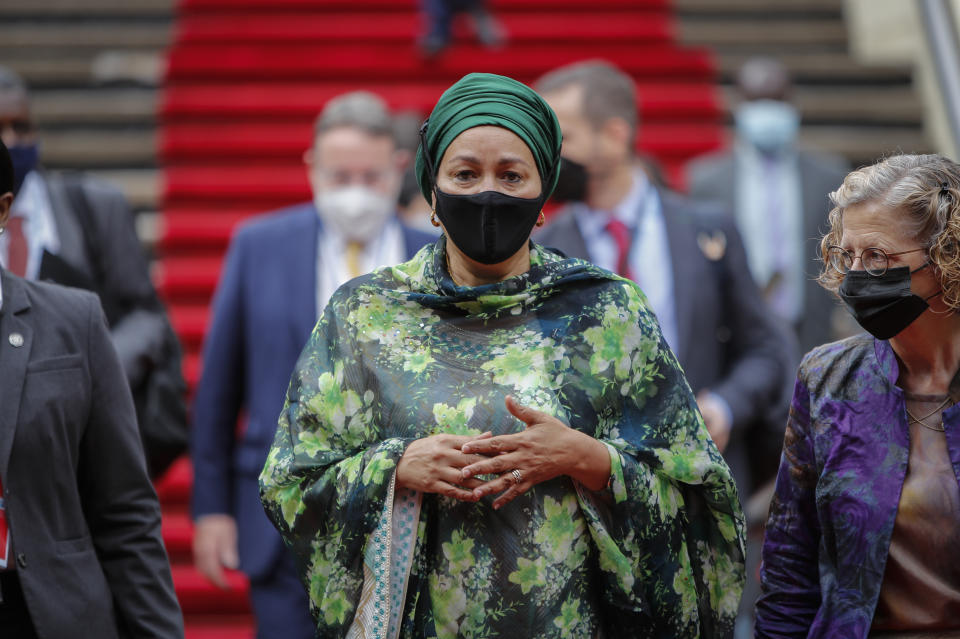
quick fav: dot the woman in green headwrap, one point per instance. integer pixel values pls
(491, 440)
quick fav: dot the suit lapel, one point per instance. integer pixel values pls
(13, 360)
(69, 233)
(683, 252)
(563, 233)
(303, 270)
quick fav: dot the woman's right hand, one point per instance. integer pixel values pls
(433, 465)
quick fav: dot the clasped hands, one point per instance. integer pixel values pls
(547, 448)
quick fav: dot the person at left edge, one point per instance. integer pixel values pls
(80, 547)
(279, 271)
(73, 229)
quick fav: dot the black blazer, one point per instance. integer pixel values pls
(728, 342)
(83, 515)
(714, 178)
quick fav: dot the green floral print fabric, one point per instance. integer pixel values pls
(404, 353)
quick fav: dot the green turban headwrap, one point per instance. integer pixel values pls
(480, 99)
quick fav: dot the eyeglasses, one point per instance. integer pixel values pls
(874, 260)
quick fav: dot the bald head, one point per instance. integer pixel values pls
(763, 78)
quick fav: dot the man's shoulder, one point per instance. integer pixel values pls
(710, 166)
(279, 224)
(828, 365)
(562, 220)
(93, 187)
(701, 214)
(414, 239)
(64, 303)
(821, 163)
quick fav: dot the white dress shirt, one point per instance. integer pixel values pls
(769, 215)
(39, 227)
(383, 250)
(642, 213)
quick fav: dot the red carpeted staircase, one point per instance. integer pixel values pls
(246, 78)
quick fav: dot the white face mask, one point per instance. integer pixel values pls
(769, 125)
(357, 212)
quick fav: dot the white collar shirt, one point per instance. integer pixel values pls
(385, 249)
(641, 211)
(39, 226)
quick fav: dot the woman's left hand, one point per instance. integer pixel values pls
(547, 448)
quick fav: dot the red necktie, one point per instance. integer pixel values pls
(16, 246)
(621, 237)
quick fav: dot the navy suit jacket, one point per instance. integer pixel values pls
(728, 342)
(263, 313)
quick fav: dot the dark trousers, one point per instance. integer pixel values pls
(15, 622)
(439, 15)
(280, 604)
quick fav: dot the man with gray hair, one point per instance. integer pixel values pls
(279, 272)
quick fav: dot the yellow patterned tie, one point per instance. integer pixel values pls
(353, 258)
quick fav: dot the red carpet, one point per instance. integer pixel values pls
(246, 78)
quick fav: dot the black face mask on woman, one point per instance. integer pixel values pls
(488, 227)
(883, 304)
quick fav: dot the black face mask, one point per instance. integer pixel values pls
(883, 305)
(488, 227)
(572, 183)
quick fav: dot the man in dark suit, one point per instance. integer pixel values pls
(688, 260)
(80, 546)
(72, 229)
(778, 194)
(279, 272)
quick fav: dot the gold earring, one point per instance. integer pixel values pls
(433, 218)
(542, 219)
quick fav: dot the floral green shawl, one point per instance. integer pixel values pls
(404, 353)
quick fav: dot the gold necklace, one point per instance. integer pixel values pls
(920, 420)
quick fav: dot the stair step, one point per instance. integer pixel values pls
(219, 627)
(188, 274)
(62, 9)
(819, 67)
(658, 100)
(199, 229)
(79, 107)
(402, 26)
(822, 105)
(16, 35)
(190, 322)
(764, 31)
(104, 148)
(224, 7)
(197, 595)
(140, 186)
(378, 62)
(177, 530)
(733, 7)
(141, 67)
(866, 144)
(239, 142)
(173, 488)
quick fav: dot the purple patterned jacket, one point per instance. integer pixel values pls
(843, 465)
